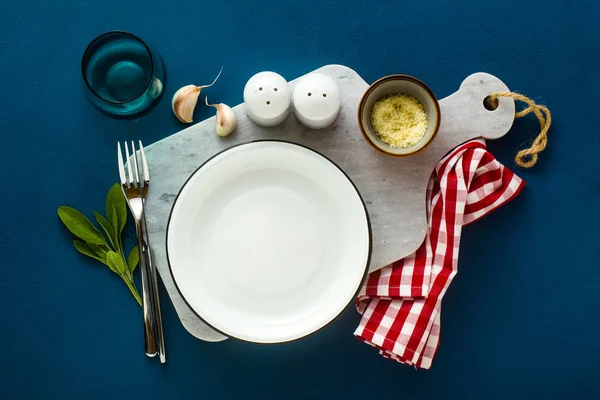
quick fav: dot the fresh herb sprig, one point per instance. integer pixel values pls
(94, 243)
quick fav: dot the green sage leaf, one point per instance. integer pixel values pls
(85, 249)
(93, 243)
(113, 218)
(80, 226)
(99, 250)
(115, 262)
(133, 259)
(108, 229)
(116, 208)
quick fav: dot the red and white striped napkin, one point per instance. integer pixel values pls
(401, 303)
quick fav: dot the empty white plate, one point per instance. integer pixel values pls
(268, 241)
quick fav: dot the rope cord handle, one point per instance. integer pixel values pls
(527, 158)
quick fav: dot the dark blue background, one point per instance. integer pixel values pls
(521, 319)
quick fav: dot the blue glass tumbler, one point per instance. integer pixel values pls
(124, 77)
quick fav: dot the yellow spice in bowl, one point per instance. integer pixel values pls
(399, 120)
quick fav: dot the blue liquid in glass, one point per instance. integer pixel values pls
(120, 71)
(121, 74)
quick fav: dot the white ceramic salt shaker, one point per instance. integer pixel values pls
(316, 101)
(267, 98)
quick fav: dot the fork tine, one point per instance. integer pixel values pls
(129, 170)
(145, 171)
(121, 165)
(135, 164)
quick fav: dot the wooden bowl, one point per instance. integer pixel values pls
(394, 84)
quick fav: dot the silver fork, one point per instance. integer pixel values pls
(135, 191)
(153, 272)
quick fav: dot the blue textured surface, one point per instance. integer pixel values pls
(520, 320)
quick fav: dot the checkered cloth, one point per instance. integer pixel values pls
(401, 303)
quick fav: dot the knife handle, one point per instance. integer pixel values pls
(155, 295)
(149, 331)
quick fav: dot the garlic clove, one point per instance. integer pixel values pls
(226, 119)
(185, 99)
(184, 102)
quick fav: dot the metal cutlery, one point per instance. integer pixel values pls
(153, 271)
(135, 190)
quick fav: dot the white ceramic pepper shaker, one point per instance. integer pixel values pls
(267, 98)
(316, 101)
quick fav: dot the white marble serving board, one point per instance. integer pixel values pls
(393, 188)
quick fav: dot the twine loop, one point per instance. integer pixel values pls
(527, 158)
